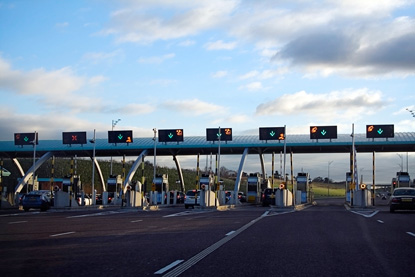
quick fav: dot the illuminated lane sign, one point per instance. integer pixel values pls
(323, 132)
(272, 133)
(380, 131)
(171, 135)
(125, 136)
(213, 134)
(74, 137)
(25, 138)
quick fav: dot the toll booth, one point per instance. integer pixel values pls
(72, 193)
(303, 188)
(253, 193)
(159, 188)
(207, 196)
(207, 182)
(403, 179)
(348, 186)
(66, 184)
(114, 184)
(32, 186)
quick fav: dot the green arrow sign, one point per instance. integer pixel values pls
(170, 136)
(380, 131)
(218, 134)
(26, 139)
(324, 132)
(272, 133)
(120, 136)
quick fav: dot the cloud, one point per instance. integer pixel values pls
(252, 86)
(156, 59)
(193, 107)
(220, 45)
(98, 57)
(220, 74)
(146, 22)
(61, 25)
(330, 53)
(340, 104)
(51, 88)
(135, 109)
(187, 43)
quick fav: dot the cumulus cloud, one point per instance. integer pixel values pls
(350, 38)
(346, 103)
(252, 86)
(193, 107)
(220, 45)
(51, 88)
(156, 59)
(145, 22)
(220, 74)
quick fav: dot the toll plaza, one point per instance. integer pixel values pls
(322, 139)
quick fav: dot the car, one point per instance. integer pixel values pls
(21, 195)
(402, 199)
(268, 197)
(37, 199)
(228, 195)
(98, 199)
(241, 196)
(192, 198)
(180, 196)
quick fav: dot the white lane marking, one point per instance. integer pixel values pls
(166, 268)
(139, 220)
(62, 234)
(9, 215)
(17, 222)
(230, 233)
(411, 234)
(94, 214)
(380, 221)
(201, 255)
(366, 213)
(189, 213)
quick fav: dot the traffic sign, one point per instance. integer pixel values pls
(125, 136)
(25, 138)
(323, 132)
(380, 131)
(272, 133)
(170, 135)
(74, 137)
(213, 134)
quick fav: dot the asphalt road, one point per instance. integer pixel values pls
(321, 240)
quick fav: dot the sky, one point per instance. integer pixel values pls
(80, 65)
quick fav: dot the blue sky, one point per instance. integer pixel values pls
(78, 65)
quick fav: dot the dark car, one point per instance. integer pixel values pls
(180, 196)
(38, 199)
(268, 197)
(241, 196)
(402, 199)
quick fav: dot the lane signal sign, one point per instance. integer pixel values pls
(74, 137)
(170, 135)
(25, 138)
(323, 132)
(124, 136)
(380, 131)
(272, 133)
(213, 134)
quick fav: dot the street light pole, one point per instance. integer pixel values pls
(328, 177)
(34, 163)
(114, 122)
(93, 171)
(401, 164)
